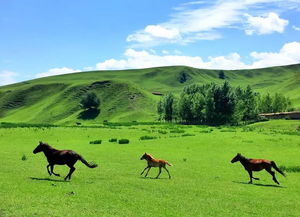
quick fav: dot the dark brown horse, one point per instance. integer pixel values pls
(152, 162)
(60, 157)
(257, 165)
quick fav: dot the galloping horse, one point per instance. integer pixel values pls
(152, 162)
(60, 157)
(257, 165)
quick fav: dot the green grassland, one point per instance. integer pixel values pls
(127, 95)
(204, 182)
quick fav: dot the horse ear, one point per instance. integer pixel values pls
(238, 153)
(41, 142)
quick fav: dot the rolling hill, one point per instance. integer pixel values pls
(126, 95)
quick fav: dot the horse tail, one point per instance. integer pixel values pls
(276, 168)
(169, 163)
(90, 165)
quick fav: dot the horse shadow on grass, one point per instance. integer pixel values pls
(258, 184)
(143, 177)
(47, 179)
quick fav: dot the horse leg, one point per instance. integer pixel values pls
(250, 174)
(52, 167)
(158, 173)
(72, 169)
(273, 174)
(48, 169)
(167, 171)
(144, 169)
(147, 172)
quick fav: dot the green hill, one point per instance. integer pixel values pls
(126, 95)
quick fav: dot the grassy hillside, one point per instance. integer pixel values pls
(126, 95)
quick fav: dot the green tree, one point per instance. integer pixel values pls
(184, 108)
(197, 107)
(166, 107)
(160, 109)
(265, 104)
(250, 111)
(89, 101)
(224, 101)
(221, 74)
(192, 103)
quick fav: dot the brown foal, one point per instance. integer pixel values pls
(152, 162)
(257, 165)
(60, 157)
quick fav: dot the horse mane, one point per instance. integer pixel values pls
(244, 158)
(48, 146)
(149, 155)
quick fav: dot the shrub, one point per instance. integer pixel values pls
(24, 157)
(228, 130)
(147, 137)
(206, 131)
(177, 131)
(165, 132)
(99, 141)
(292, 169)
(113, 140)
(188, 134)
(123, 141)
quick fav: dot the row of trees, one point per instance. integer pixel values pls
(219, 104)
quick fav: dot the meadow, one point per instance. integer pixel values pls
(204, 182)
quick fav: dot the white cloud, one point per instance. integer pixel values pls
(8, 77)
(133, 59)
(265, 24)
(155, 34)
(231, 61)
(165, 52)
(198, 20)
(161, 32)
(296, 28)
(288, 54)
(57, 71)
(143, 59)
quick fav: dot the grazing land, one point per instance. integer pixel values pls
(204, 182)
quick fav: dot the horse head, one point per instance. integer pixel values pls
(145, 156)
(39, 148)
(236, 158)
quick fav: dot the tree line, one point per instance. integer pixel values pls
(219, 104)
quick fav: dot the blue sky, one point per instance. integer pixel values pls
(50, 37)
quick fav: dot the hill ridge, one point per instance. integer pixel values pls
(126, 95)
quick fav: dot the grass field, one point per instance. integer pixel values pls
(204, 182)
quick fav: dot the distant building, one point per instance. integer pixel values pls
(157, 93)
(282, 115)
